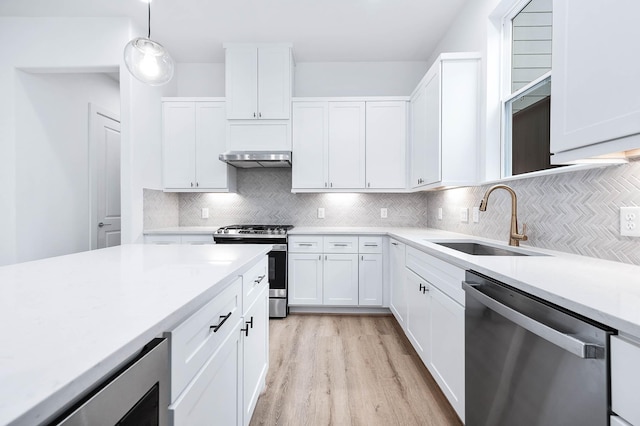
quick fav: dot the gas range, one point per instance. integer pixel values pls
(253, 231)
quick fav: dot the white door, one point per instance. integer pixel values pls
(386, 144)
(178, 145)
(418, 138)
(370, 277)
(274, 83)
(107, 171)
(241, 82)
(433, 151)
(211, 128)
(398, 302)
(305, 279)
(340, 279)
(418, 314)
(346, 144)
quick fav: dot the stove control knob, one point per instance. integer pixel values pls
(219, 231)
(226, 231)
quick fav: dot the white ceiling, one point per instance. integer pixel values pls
(320, 30)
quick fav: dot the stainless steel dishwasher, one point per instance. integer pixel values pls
(528, 362)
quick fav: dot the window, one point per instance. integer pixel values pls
(526, 99)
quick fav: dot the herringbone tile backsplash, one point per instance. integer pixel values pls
(264, 196)
(576, 212)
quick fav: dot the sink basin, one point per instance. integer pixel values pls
(480, 249)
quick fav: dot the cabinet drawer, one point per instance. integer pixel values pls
(305, 244)
(370, 245)
(625, 376)
(194, 341)
(253, 281)
(446, 277)
(340, 244)
(162, 239)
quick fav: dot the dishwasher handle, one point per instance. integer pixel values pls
(558, 338)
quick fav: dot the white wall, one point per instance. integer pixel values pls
(52, 159)
(79, 45)
(316, 78)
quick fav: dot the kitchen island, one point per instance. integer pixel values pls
(69, 321)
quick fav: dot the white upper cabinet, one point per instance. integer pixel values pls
(386, 133)
(258, 82)
(193, 135)
(445, 123)
(310, 144)
(341, 144)
(595, 93)
(346, 144)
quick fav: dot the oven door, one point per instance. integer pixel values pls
(278, 271)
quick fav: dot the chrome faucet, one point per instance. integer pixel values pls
(514, 236)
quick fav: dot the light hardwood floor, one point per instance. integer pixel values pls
(347, 370)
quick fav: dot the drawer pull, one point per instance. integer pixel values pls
(259, 280)
(371, 245)
(223, 318)
(305, 244)
(340, 245)
(395, 244)
(250, 322)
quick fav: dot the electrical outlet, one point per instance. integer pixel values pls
(464, 214)
(476, 214)
(383, 213)
(439, 213)
(630, 221)
(320, 212)
(205, 213)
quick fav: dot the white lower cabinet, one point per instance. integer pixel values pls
(398, 299)
(435, 321)
(336, 270)
(340, 285)
(220, 355)
(625, 375)
(255, 348)
(418, 315)
(213, 396)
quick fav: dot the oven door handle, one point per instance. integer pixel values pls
(562, 340)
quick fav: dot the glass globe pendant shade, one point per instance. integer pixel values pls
(148, 61)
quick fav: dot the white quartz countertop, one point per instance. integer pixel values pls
(67, 322)
(605, 291)
(183, 230)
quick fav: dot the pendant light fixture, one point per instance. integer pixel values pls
(147, 60)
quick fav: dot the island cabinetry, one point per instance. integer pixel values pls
(335, 270)
(435, 321)
(625, 375)
(193, 135)
(398, 298)
(220, 355)
(206, 358)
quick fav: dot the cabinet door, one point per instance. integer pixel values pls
(418, 315)
(346, 144)
(432, 129)
(210, 142)
(418, 106)
(398, 302)
(370, 280)
(386, 130)
(310, 144)
(274, 82)
(340, 273)
(595, 99)
(213, 397)
(447, 347)
(305, 279)
(241, 82)
(178, 143)
(255, 352)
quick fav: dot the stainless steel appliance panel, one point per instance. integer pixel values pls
(530, 363)
(277, 308)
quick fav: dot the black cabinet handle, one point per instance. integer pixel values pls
(259, 280)
(223, 318)
(250, 322)
(246, 330)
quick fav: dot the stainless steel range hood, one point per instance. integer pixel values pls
(253, 159)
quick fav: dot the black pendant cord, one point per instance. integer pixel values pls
(149, 20)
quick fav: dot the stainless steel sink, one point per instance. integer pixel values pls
(480, 249)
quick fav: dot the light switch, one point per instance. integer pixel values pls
(464, 214)
(476, 214)
(205, 213)
(320, 212)
(383, 213)
(439, 213)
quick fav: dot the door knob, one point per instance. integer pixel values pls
(101, 224)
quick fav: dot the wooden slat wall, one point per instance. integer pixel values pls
(531, 50)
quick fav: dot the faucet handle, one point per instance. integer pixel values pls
(524, 232)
